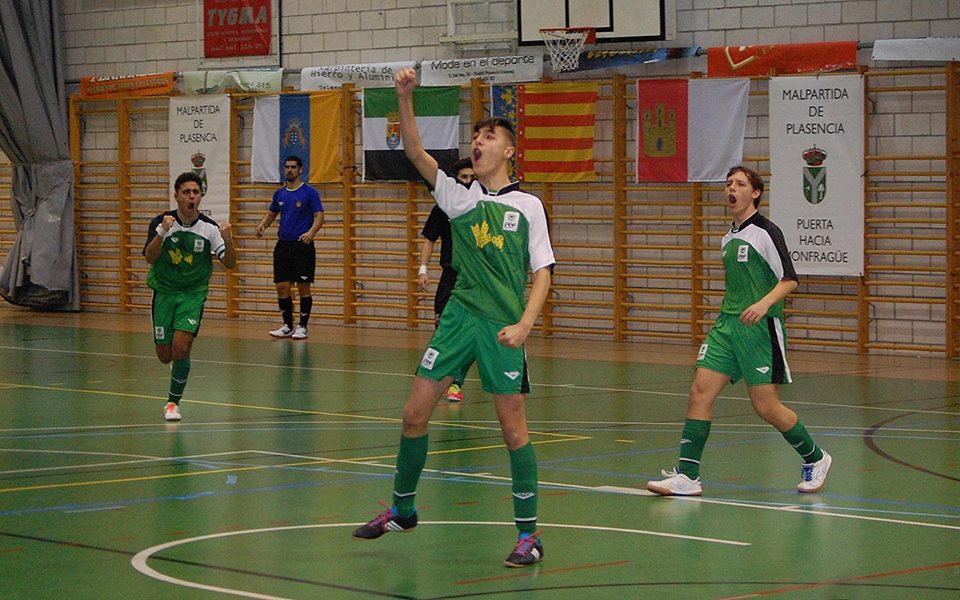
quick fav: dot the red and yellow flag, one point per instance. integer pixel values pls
(556, 125)
(743, 61)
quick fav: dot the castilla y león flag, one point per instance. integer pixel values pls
(690, 130)
(556, 126)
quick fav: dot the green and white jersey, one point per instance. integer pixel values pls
(497, 238)
(755, 259)
(185, 263)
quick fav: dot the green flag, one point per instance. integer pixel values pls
(438, 119)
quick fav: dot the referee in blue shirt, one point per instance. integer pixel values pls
(294, 257)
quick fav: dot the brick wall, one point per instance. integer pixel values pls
(114, 37)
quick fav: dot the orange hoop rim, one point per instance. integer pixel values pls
(590, 31)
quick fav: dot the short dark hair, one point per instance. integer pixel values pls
(753, 177)
(294, 158)
(463, 163)
(494, 122)
(185, 177)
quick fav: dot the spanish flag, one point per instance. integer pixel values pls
(303, 125)
(556, 125)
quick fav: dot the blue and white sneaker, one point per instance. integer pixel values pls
(814, 475)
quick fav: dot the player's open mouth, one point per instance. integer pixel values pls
(190, 206)
(476, 155)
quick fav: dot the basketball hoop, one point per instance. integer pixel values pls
(565, 45)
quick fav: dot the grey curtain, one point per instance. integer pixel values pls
(40, 270)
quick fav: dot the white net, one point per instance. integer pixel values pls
(565, 46)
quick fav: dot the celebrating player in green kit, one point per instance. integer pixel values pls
(499, 232)
(179, 246)
(747, 341)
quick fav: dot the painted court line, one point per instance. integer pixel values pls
(810, 586)
(408, 375)
(139, 561)
(822, 513)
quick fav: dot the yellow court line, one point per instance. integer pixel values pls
(319, 461)
(287, 410)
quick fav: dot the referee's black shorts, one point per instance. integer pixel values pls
(294, 261)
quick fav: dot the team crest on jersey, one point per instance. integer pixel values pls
(511, 220)
(176, 257)
(429, 358)
(481, 233)
(198, 245)
(158, 333)
(742, 253)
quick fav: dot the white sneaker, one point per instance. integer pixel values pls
(675, 484)
(299, 333)
(284, 331)
(813, 475)
(171, 412)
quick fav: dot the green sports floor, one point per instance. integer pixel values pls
(286, 446)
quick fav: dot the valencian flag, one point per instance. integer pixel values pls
(437, 111)
(743, 61)
(556, 127)
(690, 130)
(503, 99)
(305, 125)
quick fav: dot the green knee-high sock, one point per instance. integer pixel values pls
(410, 460)
(692, 441)
(523, 471)
(178, 379)
(801, 441)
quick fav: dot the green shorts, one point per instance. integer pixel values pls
(176, 310)
(757, 353)
(461, 339)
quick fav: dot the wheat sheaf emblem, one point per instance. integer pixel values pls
(481, 232)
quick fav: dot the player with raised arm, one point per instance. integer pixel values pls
(499, 234)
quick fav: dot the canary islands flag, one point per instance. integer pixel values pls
(304, 125)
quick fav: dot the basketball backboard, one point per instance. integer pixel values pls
(614, 20)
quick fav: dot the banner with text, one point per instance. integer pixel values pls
(236, 28)
(492, 69)
(816, 165)
(153, 84)
(365, 75)
(743, 61)
(605, 59)
(200, 142)
(248, 80)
